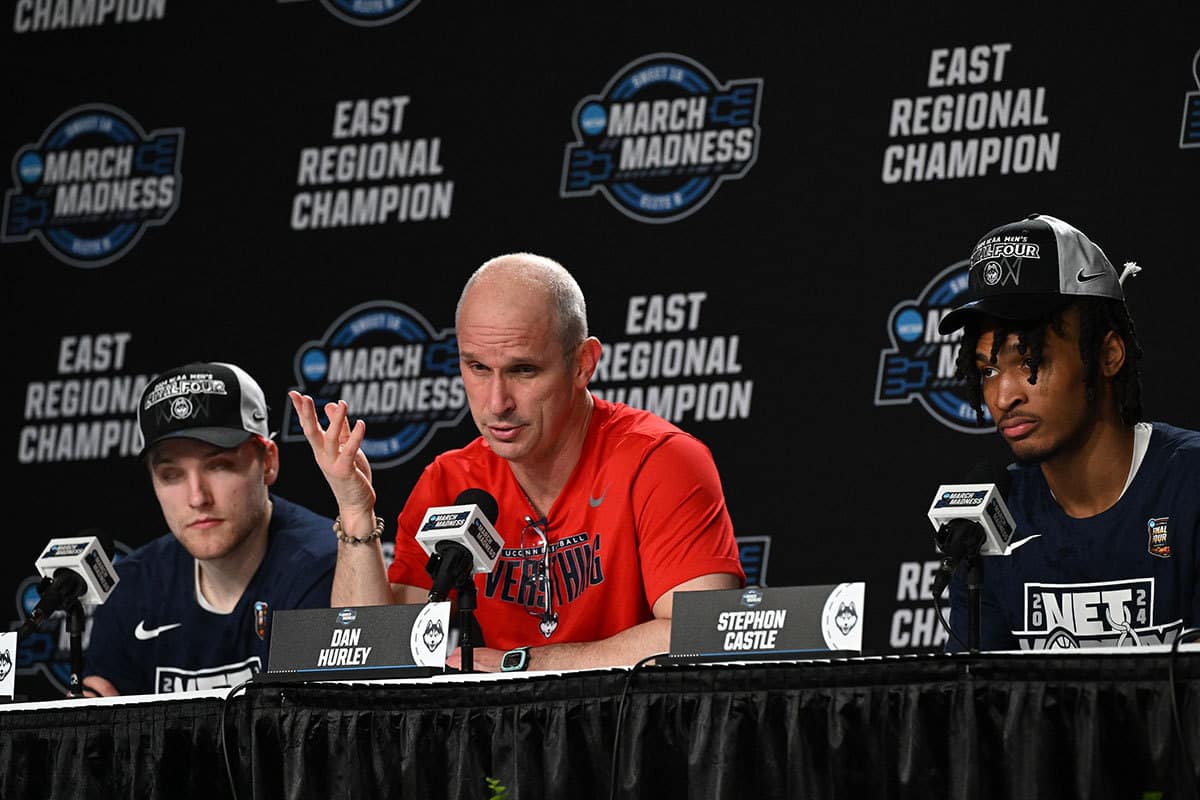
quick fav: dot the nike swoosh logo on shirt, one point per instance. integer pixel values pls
(1085, 278)
(595, 502)
(1019, 542)
(144, 634)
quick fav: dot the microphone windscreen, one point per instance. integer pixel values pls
(478, 497)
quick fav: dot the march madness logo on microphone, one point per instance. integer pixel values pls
(661, 137)
(394, 372)
(92, 184)
(920, 364)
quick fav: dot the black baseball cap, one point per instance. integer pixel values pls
(214, 402)
(1027, 269)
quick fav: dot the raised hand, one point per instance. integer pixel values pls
(339, 455)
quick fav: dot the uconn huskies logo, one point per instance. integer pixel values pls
(846, 617)
(1003, 261)
(433, 634)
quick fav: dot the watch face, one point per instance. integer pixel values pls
(513, 660)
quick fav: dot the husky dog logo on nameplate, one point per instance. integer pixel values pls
(8, 652)
(366, 643)
(841, 618)
(767, 623)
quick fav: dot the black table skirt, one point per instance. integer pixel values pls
(1064, 726)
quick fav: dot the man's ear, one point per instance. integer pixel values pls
(1112, 354)
(270, 462)
(587, 359)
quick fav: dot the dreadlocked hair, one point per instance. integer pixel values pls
(1097, 316)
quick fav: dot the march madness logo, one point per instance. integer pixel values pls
(394, 372)
(92, 184)
(367, 13)
(920, 363)
(662, 137)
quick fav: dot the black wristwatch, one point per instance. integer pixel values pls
(515, 660)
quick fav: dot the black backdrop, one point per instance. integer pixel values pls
(796, 274)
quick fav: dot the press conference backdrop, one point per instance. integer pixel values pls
(767, 206)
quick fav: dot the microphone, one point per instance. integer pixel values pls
(969, 519)
(460, 539)
(73, 569)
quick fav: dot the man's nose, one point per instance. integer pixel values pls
(198, 492)
(500, 399)
(1012, 389)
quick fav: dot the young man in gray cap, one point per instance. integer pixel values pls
(1106, 549)
(193, 607)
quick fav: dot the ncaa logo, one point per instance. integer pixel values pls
(752, 597)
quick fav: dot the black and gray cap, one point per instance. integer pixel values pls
(214, 402)
(1026, 270)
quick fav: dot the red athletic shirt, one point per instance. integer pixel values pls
(642, 512)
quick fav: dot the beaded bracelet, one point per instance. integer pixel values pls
(344, 537)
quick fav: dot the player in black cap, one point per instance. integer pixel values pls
(1107, 545)
(193, 608)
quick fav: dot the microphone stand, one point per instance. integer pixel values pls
(466, 623)
(76, 619)
(470, 635)
(974, 593)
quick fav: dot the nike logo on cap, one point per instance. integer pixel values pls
(143, 634)
(1085, 278)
